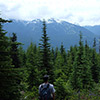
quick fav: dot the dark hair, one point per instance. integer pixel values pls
(45, 78)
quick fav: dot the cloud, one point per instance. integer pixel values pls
(83, 12)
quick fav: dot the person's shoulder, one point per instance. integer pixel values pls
(41, 85)
(51, 85)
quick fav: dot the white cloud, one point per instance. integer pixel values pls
(83, 12)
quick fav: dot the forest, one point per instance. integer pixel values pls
(75, 73)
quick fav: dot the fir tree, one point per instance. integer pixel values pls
(5, 60)
(22, 57)
(14, 51)
(95, 67)
(81, 69)
(9, 78)
(31, 63)
(45, 52)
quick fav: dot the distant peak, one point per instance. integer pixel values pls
(52, 20)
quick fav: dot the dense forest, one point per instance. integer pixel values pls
(75, 73)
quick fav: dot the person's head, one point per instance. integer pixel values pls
(45, 78)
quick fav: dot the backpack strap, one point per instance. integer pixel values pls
(42, 87)
(48, 85)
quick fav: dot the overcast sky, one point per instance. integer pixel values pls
(82, 12)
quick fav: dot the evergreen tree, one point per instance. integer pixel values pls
(99, 45)
(63, 52)
(31, 63)
(14, 51)
(22, 57)
(45, 52)
(56, 52)
(5, 60)
(9, 78)
(81, 75)
(95, 67)
(70, 60)
(94, 43)
(62, 49)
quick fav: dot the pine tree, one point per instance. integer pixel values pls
(45, 52)
(63, 52)
(5, 61)
(99, 45)
(62, 49)
(22, 57)
(9, 78)
(14, 51)
(76, 80)
(70, 60)
(94, 43)
(95, 67)
(31, 63)
(81, 76)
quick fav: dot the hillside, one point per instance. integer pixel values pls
(95, 29)
(59, 32)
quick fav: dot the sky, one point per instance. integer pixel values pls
(80, 12)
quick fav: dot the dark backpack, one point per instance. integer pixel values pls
(45, 93)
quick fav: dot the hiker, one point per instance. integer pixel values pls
(46, 90)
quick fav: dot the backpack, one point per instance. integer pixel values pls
(45, 93)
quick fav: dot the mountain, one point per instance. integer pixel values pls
(95, 29)
(58, 32)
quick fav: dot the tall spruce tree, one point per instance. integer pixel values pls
(31, 63)
(81, 76)
(95, 67)
(22, 57)
(45, 52)
(5, 60)
(15, 52)
(76, 80)
(63, 52)
(9, 78)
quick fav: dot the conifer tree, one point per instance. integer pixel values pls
(31, 63)
(5, 60)
(70, 60)
(81, 75)
(9, 78)
(95, 67)
(62, 49)
(14, 51)
(56, 52)
(22, 57)
(76, 80)
(99, 45)
(45, 52)
(63, 52)
(94, 43)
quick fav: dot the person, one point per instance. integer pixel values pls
(46, 90)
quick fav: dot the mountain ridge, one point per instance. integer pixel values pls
(58, 32)
(95, 29)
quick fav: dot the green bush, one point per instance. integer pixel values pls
(31, 95)
(63, 89)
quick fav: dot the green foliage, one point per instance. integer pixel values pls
(10, 86)
(63, 89)
(45, 51)
(5, 60)
(75, 73)
(14, 51)
(22, 57)
(95, 68)
(31, 95)
(10, 78)
(45, 54)
(32, 68)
